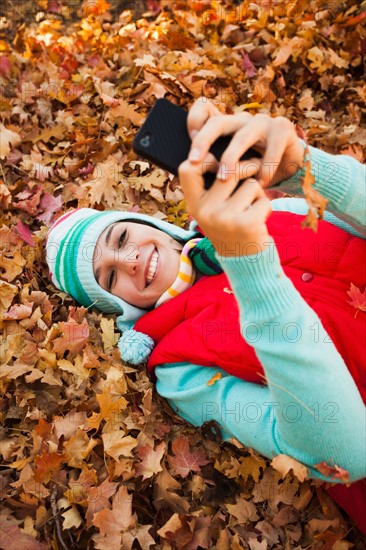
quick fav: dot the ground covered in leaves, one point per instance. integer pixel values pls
(91, 457)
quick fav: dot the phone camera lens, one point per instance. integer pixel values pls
(145, 141)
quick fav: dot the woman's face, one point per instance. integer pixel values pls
(136, 262)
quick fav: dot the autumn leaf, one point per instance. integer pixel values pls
(333, 472)
(46, 464)
(117, 445)
(81, 488)
(251, 465)
(315, 200)
(109, 337)
(216, 377)
(150, 463)
(112, 523)
(284, 463)
(12, 538)
(98, 499)
(78, 447)
(243, 510)
(74, 337)
(102, 186)
(9, 139)
(165, 492)
(183, 462)
(358, 298)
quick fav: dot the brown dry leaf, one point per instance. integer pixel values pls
(243, 510)
(98, 499)
(165, 492)
(109, 337)
(284, 463)
(125, 111)
(183, 462)
(12, 538)
(112, 523)
(150, 463)
(78, 447)
(45, 465)
(81, 488)
(11, 259)
(102, 187)
(74, 337)
(117, 445)
(9, 139)
(251, 465)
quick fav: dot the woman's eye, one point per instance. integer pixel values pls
(111, 280)
(122, 238)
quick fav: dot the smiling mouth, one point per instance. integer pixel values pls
(153, 265)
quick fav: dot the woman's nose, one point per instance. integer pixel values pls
(129, 259)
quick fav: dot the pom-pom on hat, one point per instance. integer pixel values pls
(70, 247)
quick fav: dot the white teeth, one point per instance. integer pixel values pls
(152, 267)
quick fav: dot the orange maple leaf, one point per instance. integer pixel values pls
(358, 298)
(46, 464)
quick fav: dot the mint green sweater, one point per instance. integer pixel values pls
(311, 409)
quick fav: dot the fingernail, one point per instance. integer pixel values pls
(221, 173)
(193, 133)
(195, 154)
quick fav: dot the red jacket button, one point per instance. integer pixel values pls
(307, 277)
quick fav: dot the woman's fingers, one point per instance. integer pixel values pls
(201, 110)
(259, 211)
(246, 195)
(245, 137)
(221, 191)
(213, 128)
(277, 142)
(192, 182)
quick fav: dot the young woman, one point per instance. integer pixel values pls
(258, 299)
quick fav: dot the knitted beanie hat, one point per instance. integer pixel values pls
(70, 247)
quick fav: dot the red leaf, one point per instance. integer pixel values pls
(184, 461)
(25, 233)
(358, 298)
(334, 472)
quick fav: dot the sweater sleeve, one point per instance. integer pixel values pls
(311, 408)
(339, 178)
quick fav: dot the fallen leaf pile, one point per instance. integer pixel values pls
(91, 456)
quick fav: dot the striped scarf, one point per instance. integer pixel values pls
(197, 254)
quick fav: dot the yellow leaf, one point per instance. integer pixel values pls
(115, 445)
(78, 447)
(80, 373)
(8, 138)
(109, 337)
(214, 379)
(283, 464)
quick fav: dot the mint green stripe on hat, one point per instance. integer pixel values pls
(69, 250)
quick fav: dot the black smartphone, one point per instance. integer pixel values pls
(164, 140)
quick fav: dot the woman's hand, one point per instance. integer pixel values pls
(274, 138)
(234, 224)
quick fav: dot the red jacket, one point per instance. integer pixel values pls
(202, 324)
